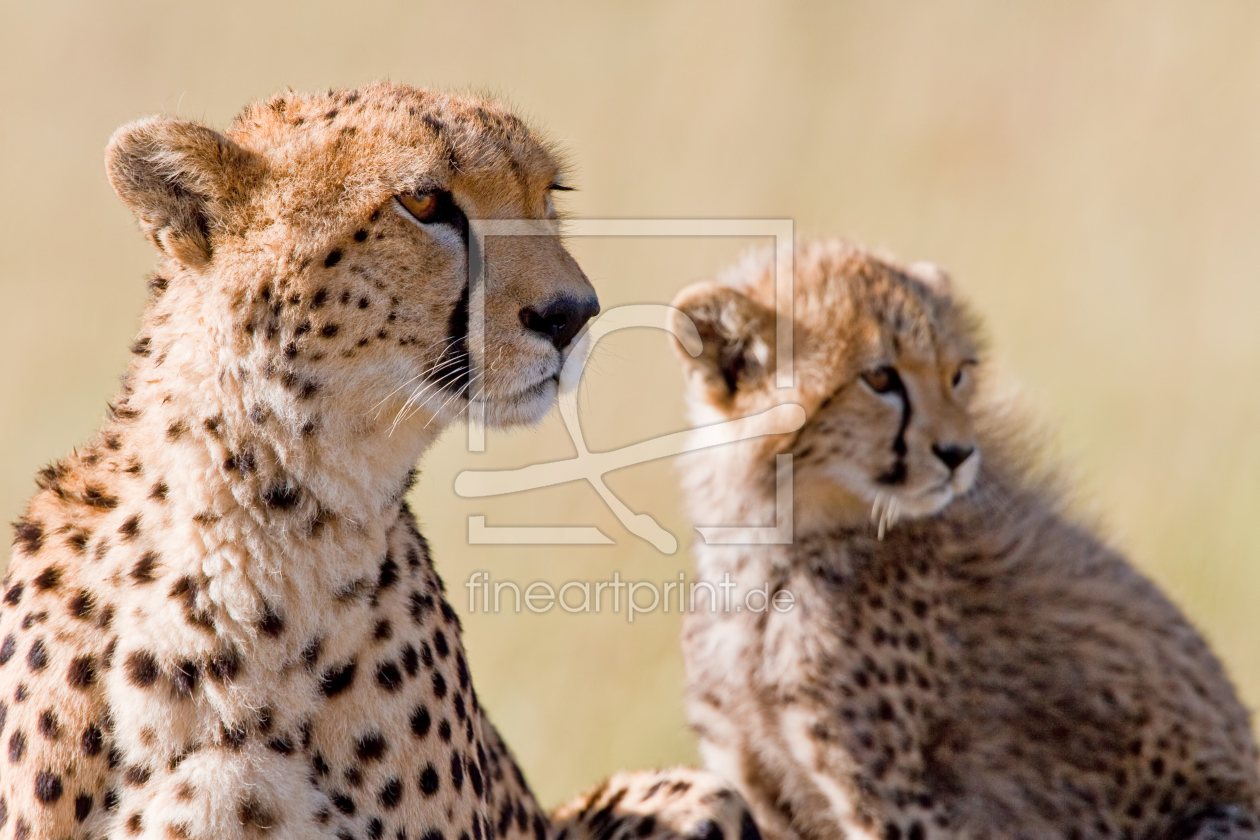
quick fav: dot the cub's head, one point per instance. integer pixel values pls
(884, 364)
(323, 245)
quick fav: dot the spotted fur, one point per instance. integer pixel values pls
(220, 619)
(677, 804)
(975, 664)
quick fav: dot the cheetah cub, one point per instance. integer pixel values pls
(960, 660)
(220, 619)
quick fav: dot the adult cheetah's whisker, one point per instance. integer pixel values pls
(446, 341)
(459, 393)
(403, 413)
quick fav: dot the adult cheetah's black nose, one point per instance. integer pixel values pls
(560, 318)
(952, 455)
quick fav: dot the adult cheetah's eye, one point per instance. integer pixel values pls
(882, 380)
(424, 206)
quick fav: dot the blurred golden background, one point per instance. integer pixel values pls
(1089, 172)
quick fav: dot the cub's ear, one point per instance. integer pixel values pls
(179, 177)
(737, 334)
(932, 276)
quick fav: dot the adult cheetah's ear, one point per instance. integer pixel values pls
(738, 337)
(179, 178)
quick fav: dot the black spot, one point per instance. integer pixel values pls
(48, 788)
(233, 737)
(48, 579)
(429, 781)
(225, 664)
(389, 677)
(272, 624)
(280, 745)
(329, 330)
(281, 496)
(439, 684)
(17, 746)
(28, 534)
(81, 605)
(360, 235)
(37, 657)
(14, 596)
(389, 574)
(420, 604)
(184, 678)
(444, 730)
(337, 679)
(82, 807)
(91, 740)
(143, 570)
(319, 766)
(142, 668)
(7, 648)
(110, 800)
(391, 794)
(137, 776)
(131, 528)
(334, 256)
(343, 803)
(383, 630)
(48, 725)
(440, 644)
(98, 498)
(410, 660)
(420, 722)
(457, 771)
(310, 653)
(371, 747)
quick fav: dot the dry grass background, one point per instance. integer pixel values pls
(1090, 172)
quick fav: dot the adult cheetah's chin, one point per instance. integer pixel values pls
(526, 407)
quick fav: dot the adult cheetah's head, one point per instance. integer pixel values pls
(329, 240)
(884, 364)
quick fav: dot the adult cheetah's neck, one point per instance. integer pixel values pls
(213, 465)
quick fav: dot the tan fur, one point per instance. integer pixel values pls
(961, 659)
(219, 619)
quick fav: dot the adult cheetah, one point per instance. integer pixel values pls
(984, 668)
(220, 619)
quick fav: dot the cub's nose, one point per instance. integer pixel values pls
(560, 318)
(951, 455)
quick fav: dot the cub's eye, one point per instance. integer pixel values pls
(424, 206)
(960, 375)
(882, 380)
